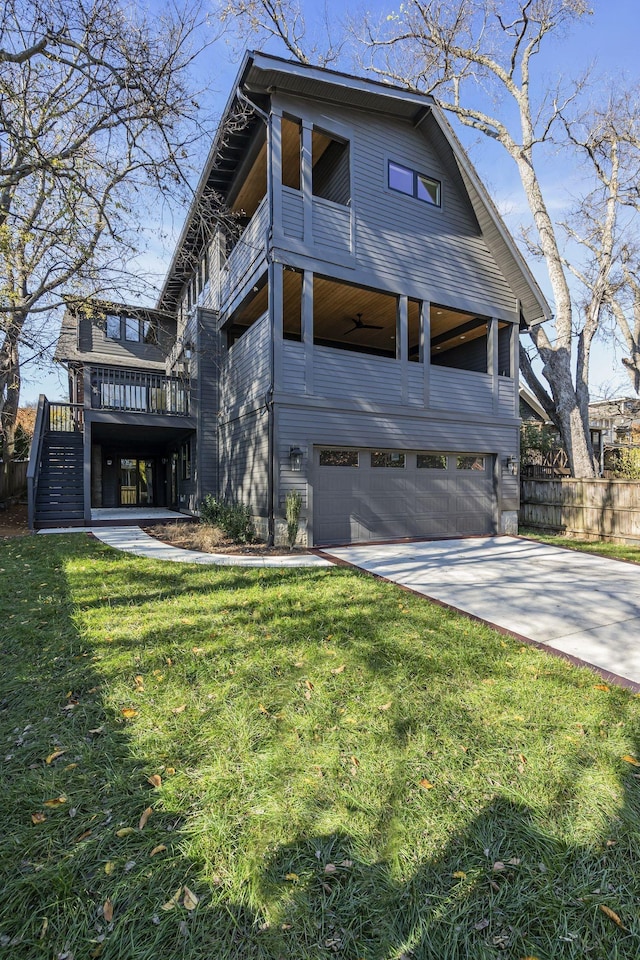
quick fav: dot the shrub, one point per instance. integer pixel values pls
(293, 505)
(625, 464)
(234, 519)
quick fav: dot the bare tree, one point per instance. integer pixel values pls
(96, 107)
(284, 21)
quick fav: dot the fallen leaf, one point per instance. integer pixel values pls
(481, 925)
(83, 836)
(601, 686)
(58, 801)
(338, 670)
(43, 928)
(190, 901)
(170, 904)
(629, 759)
(170, 771)
(107, 910)
(70, 766)
(355, 761)
(346, 863)
(145, 816)
(608, 912)
(330, 868)
(155, 780)
(385, 706)
(522, 758)
(459, 875)
(125, 831)
(54, 756)
(291, 876)
(498, 866)
(109, 867)
(179, 709)
(426, 785)
(514, 862)
(139, 681)
(263, 709)
(159, 849)
(308, 684)
(38, 817)
(611, 843)
(129, 712)
(97, 730)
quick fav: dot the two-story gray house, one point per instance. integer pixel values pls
(340, 317)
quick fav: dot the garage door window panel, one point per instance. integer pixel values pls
(381, 459)
(471, 462)
(431, 461)
(339, 458)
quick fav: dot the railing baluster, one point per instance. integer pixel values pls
(133, 391)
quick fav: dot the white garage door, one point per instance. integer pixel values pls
(361, 495)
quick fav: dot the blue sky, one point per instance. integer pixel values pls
(608, 40)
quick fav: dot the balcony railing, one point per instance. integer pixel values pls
(133, 391)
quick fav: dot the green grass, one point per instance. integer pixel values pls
(602, 548)
(347, 771)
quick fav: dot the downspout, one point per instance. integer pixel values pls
(268, 121)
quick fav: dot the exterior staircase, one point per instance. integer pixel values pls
(55, 478)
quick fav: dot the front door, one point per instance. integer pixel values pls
(136, 482)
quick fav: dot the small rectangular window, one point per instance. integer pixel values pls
(381, 459)
(132, 329)
(339, 458)
(428, 189)
(470, 463)
(431, 461)
(113, 328)
(414, 184)
(150, 332)
(400, 178)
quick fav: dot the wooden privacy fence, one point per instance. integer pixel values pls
(608, 509)
(13, 478)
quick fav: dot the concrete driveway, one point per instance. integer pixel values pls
(587, 607)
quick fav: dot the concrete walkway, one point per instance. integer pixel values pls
(585, 606)
(136, 541)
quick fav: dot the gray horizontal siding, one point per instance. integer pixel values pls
(462, 390)
(507, 396)
(415, 384)
(292, 213)
(243, 451)
(338, 373)
(400, 240)
(293, 364)
(331, 227)
(250, 248)
(93, 340)
(326, 425)
(244, 374)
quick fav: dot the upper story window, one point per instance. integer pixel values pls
(113, 326)
(131, 329)
(414, 184)
(331, 177)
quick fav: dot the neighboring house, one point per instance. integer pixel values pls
(618, 419)
(352, 337)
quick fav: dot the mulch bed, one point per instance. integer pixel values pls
(189, 536)
(13, 521)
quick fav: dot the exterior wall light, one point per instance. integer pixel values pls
(511, 464)
(295, 459)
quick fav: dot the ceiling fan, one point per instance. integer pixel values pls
(359, 325)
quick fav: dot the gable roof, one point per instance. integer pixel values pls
(262, 74)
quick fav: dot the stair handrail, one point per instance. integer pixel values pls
(35, 457)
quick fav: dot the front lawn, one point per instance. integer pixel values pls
(602, 548)
(231, 763)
